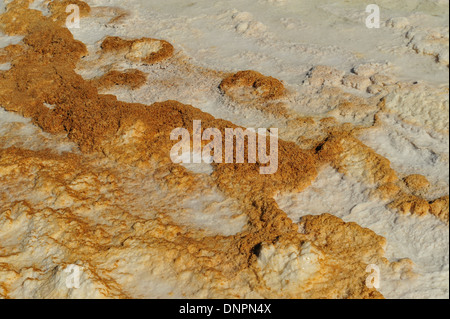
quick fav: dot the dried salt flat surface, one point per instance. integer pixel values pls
(288, 37)
(412, 150)
(284, 39)
(423, 240)
(18, 131)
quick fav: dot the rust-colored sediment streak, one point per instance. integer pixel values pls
(144, 50)
(416, 182)
(131, 78)
(440, 208)
(255, 84)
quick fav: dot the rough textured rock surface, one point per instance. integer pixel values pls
(86, 177)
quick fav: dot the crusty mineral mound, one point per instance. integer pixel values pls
(247, 85)
(145, 50)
